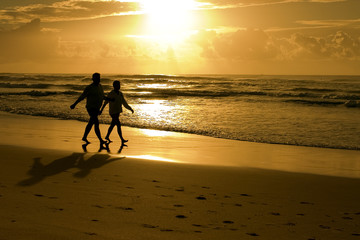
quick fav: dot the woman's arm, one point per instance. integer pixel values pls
(126, 105)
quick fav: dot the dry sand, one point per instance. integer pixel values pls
(203, 188)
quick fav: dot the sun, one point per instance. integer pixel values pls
(168, 17)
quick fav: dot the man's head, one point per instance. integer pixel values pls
(116, 85)
(96, 78)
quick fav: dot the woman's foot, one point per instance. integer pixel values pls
(85, 140)
(124, 141)
(108, 139)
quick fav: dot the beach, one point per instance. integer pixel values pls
(168, 185)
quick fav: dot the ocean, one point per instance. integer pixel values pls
(295, 110)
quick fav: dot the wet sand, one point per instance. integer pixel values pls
(194, 187)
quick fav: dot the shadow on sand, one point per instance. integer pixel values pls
(39, 171)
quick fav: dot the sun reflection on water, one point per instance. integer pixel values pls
(155, 109)
(154, 85)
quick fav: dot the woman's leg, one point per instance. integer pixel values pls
(112, 125)
(118, 124)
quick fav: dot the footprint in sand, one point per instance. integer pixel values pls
(98, 206)
(324, 227)
(178, 205)
(38, 195)
(228, 222)
(197, 225)
(275, 213)
(166, 230)
(180, 189)
(307, 203)
(145, 225)
(201, 198)
(253, 234)
(125, 208)
(163, 195)
(181, 216)
(245, 195)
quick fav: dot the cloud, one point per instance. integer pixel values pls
(27, 43)
(339, 45)
(251, 3)
(260, 45)
(67, 10)
(331, 23)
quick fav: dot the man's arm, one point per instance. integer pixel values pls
(81, 97)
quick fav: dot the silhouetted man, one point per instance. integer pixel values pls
(94, 95)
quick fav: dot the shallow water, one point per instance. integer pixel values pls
(296, 110)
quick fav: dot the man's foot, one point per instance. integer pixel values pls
(108, 139)
(102, 147)
(124, 141)
(85, 140)
(102, 142)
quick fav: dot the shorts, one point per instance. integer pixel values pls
(115, 115)
(93, 112)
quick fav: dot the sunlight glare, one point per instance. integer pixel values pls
(168, 16)
(156, 133)
(153, 158)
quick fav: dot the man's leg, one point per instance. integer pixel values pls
(87, 130)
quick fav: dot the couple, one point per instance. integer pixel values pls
(94, 95)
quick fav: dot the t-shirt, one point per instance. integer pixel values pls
(94, 95)
(115, 106)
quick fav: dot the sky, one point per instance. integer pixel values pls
(181, 36)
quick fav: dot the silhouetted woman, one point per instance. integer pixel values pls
(116, 100)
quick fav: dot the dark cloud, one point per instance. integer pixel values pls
(27, 43)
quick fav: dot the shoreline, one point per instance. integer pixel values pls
(50, 188)
(24, 130)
